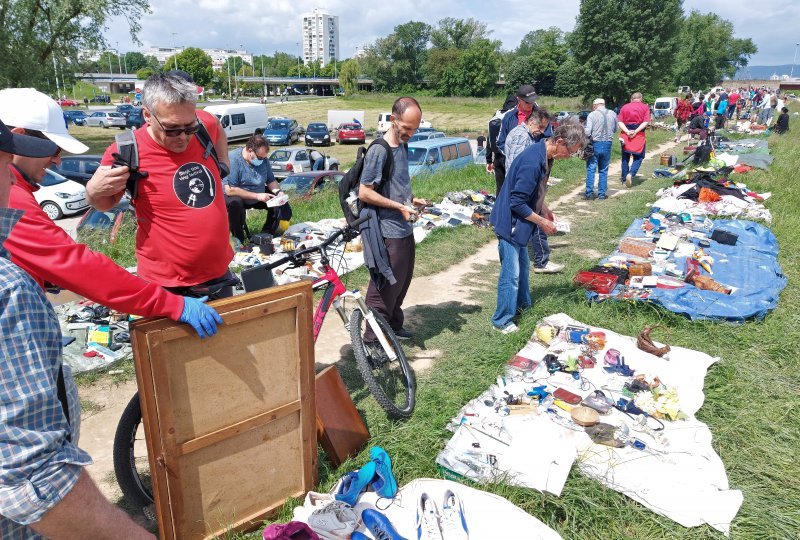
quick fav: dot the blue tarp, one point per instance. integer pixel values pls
(751, 266)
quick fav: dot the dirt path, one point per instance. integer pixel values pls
(426, 298)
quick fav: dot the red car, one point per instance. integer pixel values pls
(67, 102)
(350, 133)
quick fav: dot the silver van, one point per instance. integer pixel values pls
(240, 120)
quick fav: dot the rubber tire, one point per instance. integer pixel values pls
(58, 213)
(127, 478)
(103, 125)
(357, 341)
(334, 167)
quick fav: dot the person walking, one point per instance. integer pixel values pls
(683, 111)
(601, 124)
(633, 119)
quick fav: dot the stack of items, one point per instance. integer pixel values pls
(615, 404)
(94, 336)
(714, 270)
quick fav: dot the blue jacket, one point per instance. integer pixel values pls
(510, 121)
(519, 195)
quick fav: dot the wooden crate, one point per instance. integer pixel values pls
(229, 420)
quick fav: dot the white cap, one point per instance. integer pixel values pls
(599, 101)
(30, 109)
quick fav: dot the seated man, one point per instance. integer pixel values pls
(249, 185)
(698, 126)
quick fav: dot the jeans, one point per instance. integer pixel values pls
(513, 289)
(599, 160)
(319, 164)
(631, 168)
(538, 248)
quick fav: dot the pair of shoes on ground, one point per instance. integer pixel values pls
(447, 524)
(329, 518)
(510, 328)
(549, 268)
(377, 472)
(379, 525)
(590, 196)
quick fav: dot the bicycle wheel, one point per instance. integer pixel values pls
(390, 382)
(131, 465)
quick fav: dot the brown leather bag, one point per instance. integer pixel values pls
(645, 343)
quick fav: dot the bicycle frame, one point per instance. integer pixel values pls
(335, 290)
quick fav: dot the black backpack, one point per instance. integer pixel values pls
(348, 186)
(127, 155)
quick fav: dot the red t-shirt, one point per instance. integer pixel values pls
(520, 117)
(634, 112)
(48, 254)
(733, 98)
(182, 234)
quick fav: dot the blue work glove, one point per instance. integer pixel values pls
(204, 319)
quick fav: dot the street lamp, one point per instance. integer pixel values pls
(299, 52)
(791, 74)
(119, 60)
(174, 48)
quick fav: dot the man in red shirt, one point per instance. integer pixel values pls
(49, 255)
(733, 102)
(633, 119)
(182, 236)
(682, 113)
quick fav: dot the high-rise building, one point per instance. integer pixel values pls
(320, 37)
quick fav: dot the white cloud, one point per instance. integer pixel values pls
(275, 26)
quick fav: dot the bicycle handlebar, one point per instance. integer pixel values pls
(295, 256)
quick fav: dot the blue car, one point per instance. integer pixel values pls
(75, 117)
(432, 155)
(282, 131)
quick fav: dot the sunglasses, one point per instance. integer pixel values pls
(40, 135)
(175, 132)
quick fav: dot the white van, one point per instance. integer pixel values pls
(384, 121)
(240, 120)
(665, 106)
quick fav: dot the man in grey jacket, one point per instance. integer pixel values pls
(601, 124)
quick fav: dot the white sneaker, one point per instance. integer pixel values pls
(509, 329)
(333, 521)
(452, 521)
(549, 268)
(428, 519)
(629, 180)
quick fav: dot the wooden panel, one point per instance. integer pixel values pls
(340, 428)
(230, 419)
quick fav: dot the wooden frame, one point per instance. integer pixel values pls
(340, 429)
(229, 420)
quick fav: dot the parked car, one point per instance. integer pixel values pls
(436, 154)
(59, 196)
(64, 102)
(384, 121)
(78, 168)
(317, 134)
(664, 106)
(75, 117)
(135, 119)
(425, 135)
(240, 120)
(96, 222)
(288, 161)
(282, 131)
(350, 133)
(106, 120)
(305, 184)
(125, 109)
(424, 129)
(582, 115)
(101, 98)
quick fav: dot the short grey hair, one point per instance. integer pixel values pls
(167, 89)
(573, 135)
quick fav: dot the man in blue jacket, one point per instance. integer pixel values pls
(519, 208)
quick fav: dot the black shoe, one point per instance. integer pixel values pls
(588, 196)
(602, 197)
(375, 353)
(404, 333)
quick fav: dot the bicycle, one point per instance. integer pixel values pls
(382, 364)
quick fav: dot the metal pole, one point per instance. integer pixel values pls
(174, 48)
(119, 60)
(794, 61)
(55, 72)
(228, 63)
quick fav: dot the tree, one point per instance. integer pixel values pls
(520, 71)
(475, 73)
(438, 62)
(708, 51)
(348, 77)
(398, 60)
(36, 31)
(543, 51)
(194, 62)
(134, 61)
(144, 73)
(458, 33)
(624, 46)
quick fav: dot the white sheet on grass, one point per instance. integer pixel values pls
(679, 476)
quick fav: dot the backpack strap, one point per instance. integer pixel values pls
(127, 155)
(204, 138)
(388, 165)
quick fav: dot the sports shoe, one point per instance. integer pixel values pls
(629, 180)
(377, 356)
(384, 482)
(452, 522)
(359, 536)
(549, 268)
(428, 519)
(334, 521)
(510, 328)
(602, 197)
(353, 483)
(404, 333)
(379, 525)
(588, 196)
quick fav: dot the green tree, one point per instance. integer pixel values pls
(458, 33)
(398, 60)
(708, 51)
(567, 83)
(134, 61)
(623, 46)
(144, 73)
(36, 31)
(194, 62)
(544, 52)
(474, 74)
(348, 77)
(521, 71)
(438, 61)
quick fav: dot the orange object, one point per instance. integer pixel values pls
(709, 195)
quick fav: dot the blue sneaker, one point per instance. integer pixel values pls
(353, 483)
(359, 536)
(384, 484)
(379, 525)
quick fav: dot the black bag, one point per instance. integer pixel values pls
(702, 154)
(348, 186)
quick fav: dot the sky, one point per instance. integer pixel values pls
(266, 27)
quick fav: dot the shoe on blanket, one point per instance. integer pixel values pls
(384, 482)
(353, 483)
(379, 525)
(334, 521)
(428, 519)
(452, 522)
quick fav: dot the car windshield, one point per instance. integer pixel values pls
(53, 179)
(418, 137)
(317, 127)
(280, 155)
(416, 156)
(278, 124)
(350, 126)
(298, 183)
(115, 115)
(662, 105)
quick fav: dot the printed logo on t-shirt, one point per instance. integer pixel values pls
(194, 185)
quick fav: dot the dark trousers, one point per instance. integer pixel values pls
(499, 168)
(388, 302)
(213, 288)
(237, 213)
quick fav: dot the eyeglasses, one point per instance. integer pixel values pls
(40, 135)
(175, 132)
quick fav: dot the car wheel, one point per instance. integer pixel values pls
(334, 167)
(52, 210)
(102, 125)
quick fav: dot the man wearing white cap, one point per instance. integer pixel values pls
(601, 124)
(43, 485)
(49, 254)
